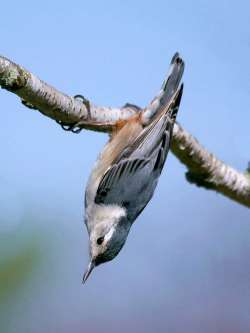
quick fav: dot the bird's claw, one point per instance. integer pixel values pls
(75, 127)
(85, 101)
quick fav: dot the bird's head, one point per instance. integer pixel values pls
(106, 239)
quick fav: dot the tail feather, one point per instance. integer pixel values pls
(173, 80)
(175, 73)
(176, 103)
(168, 90)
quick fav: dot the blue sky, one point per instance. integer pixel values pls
(185, 265)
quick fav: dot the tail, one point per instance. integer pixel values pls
(176, 100)
(173, 80)
(169, 90)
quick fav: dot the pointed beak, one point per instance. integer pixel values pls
(90, 268)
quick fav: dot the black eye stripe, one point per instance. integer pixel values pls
(100, 240)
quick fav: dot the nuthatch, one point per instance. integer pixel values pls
(125, 176)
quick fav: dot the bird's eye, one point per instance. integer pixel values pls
(100, 240)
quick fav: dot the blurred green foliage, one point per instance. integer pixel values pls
(19, 258)
(16, 269)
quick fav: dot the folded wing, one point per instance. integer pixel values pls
(133, 176)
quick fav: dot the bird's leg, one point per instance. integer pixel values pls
(75, 127)
(85, 101)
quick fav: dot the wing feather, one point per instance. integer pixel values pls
(131, 180)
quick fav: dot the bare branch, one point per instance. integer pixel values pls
(204, 169)
(37, 94)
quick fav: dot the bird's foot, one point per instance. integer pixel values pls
(76, 127)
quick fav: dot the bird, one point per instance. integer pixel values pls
(125, 175)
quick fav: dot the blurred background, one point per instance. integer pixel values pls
(185, 267)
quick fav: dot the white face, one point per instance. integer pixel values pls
(108, 228)
(107, 239)
(100, 238)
